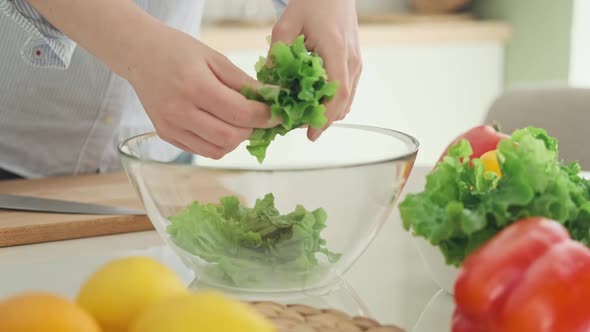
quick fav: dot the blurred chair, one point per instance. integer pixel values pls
(563, 111)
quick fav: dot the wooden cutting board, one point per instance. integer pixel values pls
(17, 228)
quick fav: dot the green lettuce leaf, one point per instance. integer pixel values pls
(246, 242)
(296, 86)
(461, 207)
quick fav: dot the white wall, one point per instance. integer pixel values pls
(580, 53)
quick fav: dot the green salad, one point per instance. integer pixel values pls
(296, 85)
(462, 205)
(243, 240)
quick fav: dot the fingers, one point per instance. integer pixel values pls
(220, 118)
(214, 130)
(221, 99)
(193, 143)
(284, 31)
(200, 146)
(337, 68)
(287, 28)
(230, 75)
(355, 67)
(178, 145)
(201, 133)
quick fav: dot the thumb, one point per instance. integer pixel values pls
(231, 75)
(286, 29)
(284, 32)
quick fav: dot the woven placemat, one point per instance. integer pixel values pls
(303, 318)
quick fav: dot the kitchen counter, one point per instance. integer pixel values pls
(234, 37)
(390, 278)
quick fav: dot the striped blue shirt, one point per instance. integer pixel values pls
(61, 110)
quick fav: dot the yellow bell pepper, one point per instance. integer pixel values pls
(490, 162)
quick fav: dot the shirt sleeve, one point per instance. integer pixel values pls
(46, 47)
(280, 6)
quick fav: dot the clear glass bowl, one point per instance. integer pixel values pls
(353, 173)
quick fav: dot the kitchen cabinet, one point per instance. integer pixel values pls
(431, 80)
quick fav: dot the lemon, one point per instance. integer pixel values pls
(37, 311)
(122, 288)
(201, 311)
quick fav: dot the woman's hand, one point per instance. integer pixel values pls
(191, 94)
(331, 30)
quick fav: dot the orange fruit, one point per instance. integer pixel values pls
(44, 312)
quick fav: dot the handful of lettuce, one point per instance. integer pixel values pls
(461, 207)
(296, 87)
(250, 242)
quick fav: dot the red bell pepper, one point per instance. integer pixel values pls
(530, 277)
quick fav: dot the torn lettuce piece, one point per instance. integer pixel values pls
(295, 87)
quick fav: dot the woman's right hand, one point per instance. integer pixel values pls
(191, 94)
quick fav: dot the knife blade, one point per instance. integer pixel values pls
(36, 204)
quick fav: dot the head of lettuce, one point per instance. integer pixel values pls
(462, 205)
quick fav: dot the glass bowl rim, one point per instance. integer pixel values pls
(411, 152)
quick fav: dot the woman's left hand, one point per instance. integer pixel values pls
(331, 30)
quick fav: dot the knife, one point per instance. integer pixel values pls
(28, 203)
